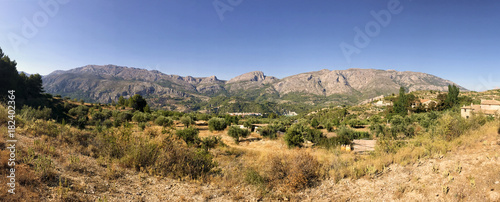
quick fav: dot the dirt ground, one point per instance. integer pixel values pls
(470, 173)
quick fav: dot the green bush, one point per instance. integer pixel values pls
(124, 116)
(236, 132)
(268, 131)
(116, 123)
(81, 122)
(254, 178)
(217, 124)
(180, 162)
(378, 130)
(333, 142)
(108, 123)
(210, 142)
(189, 135)
(356, 123)
(79, 111)
(352, 134)
(141, 154)
(98, 116)
(298, 133)
(142, 125)
(137, 102)
(139, 117)
(314, 123)
(164, 121)
(31, 114)
(187, 121)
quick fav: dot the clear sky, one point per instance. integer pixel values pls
(457, 40)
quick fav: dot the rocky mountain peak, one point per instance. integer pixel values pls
(255, 76)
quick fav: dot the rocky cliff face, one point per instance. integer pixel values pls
(250, 80)
(107, 83)
(366, 81)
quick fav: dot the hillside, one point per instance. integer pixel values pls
(107, 83)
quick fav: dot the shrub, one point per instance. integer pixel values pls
(137, 102)
(210, 142)
(377, 130)
(30, 114)
(180, 162)
(236, 132)
(142, 154)
(314, 123)
(303, 171)
(254, 178)
(294, 136)
(116, 123)
(186, 121)
(313, 135)
(352, 134)
(81, 122)
(268, 131)
(356, 123)
(142, 125)
(107, 123)
(450, 127)
(248, 123)
(291, 172)
(164, 121)
(298, 133)
(333, 142)
(79, 111)
(139, 117)
(217, 124)
(98, 116)
(189, 135)
(124, 116)
(375, 119)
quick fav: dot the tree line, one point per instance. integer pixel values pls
(28, 89)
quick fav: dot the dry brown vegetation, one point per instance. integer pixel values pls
(63, 163)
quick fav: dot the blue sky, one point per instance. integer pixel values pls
(455, 40)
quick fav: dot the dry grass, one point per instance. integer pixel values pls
(258, 167)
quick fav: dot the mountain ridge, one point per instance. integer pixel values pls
(106, 83)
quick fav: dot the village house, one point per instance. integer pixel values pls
(382, 103)
(488, 107)
(245, 114)
(426, 103)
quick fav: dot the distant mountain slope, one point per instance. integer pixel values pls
(107, 83)
(369, 82)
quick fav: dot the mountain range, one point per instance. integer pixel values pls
(104, 84)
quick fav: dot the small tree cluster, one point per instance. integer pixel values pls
(237, 132)
(298, 133)
(217, 124)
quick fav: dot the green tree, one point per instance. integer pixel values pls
(294, 136)
(400, 103)
(121, 101)
(163, 121)
(137, 102)
(189, 135)
(237, 132)
(314, 123)
(187, 121)
(8, 74)
(147, 109)
(217, 124)
(452, 96)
